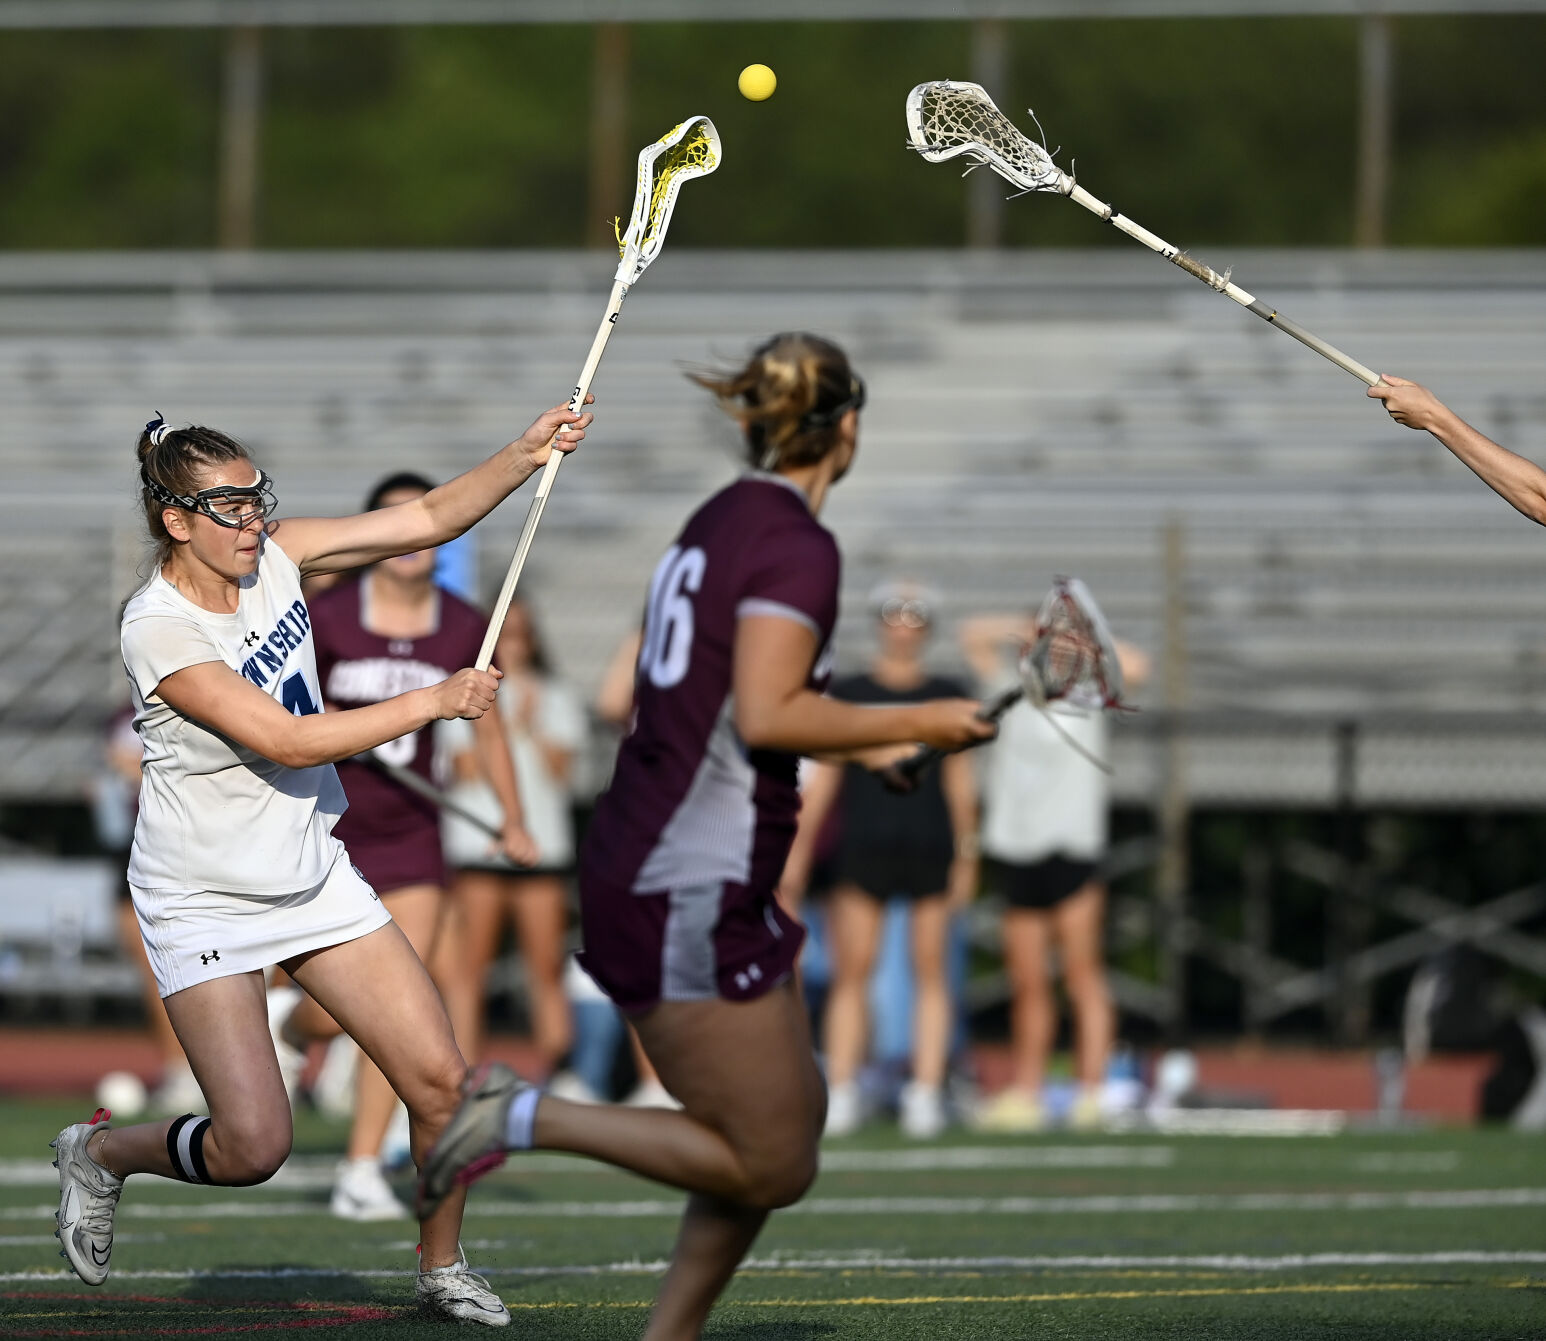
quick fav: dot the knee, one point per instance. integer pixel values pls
(784, 1182)
(437, 1091)
(249, 1156)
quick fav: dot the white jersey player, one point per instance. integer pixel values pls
(235, 866)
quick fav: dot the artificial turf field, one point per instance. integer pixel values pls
(1439, 1234)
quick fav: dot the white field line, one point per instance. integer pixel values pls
(1408, 1161)
(863, 1262)
(1250, 1202)
(311, 1172)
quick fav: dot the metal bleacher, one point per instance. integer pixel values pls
(1030, 413)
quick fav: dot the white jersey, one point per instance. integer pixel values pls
(214, 815)
(1040, 796)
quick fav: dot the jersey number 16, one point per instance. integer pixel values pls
(668, 622)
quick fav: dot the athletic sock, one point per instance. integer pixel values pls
(521, 1120)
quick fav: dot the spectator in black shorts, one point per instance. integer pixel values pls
(921, 847)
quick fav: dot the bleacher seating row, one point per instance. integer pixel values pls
(1030, 413)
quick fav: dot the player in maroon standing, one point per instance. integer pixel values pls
(380, 632)
(684, 853)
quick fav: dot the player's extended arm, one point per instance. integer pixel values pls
(215, 695)
(775, 710)
(333, 544)
(1518, 481)
(958, 781)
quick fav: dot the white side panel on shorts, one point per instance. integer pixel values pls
(687, 959)
(708, 840)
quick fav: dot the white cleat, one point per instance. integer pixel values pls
(88, 1196)
(457, 1294)
(922, 1116)
(361, 1192)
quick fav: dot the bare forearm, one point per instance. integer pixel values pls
(1520, 482)
(498, 768)
(959, 783)
(459, 504)
(809, 723)
(327, 737)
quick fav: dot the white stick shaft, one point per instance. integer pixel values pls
(549, 474)
(1214, 280)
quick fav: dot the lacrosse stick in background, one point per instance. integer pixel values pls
(947, 119)
(1072, 659)
(414, 783)
(687, 151)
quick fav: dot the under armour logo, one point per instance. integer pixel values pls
(252, 639)
(213, 954)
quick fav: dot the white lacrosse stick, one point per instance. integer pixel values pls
(1073, 660)
(947, 119)
(686, 151)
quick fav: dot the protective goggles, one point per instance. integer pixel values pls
(901, 612)
(225, 504)
(827, 418)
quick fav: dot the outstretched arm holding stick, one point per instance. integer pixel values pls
(1522, 483)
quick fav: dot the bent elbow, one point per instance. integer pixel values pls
(757, 730)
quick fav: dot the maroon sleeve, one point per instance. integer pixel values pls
(795, 572)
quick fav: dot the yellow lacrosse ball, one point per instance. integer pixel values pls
(757, 83)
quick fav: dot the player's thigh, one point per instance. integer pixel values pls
(222, 1025)
(1027, 934)
(1079, 922)
(540, 913)
(378, 989)
(417, 910)
(853, 928)
(748, 1070)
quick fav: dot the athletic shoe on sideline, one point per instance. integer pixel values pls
(651, 1094)
(460, 1295)
(178, 1092)
(361, 1192)
(845, 1110)
(473, 1142)
(922, 1114)
(571, 1086)
(88, 1196)
(292, 1061)
(1085, 1114)
(1011, 1112)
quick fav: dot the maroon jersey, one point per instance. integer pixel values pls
(355, 668)
(690, 804)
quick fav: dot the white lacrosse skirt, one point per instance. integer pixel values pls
(195, 937)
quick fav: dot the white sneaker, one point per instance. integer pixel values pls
(397, 1144)
(651, 1094)
(922, 1115)
(88, 1196)
(333, 1090)
(361, 1192)
(570, 1086)
(178, 1092)
(456, 1293)
(292, 1061)
(845, 1110)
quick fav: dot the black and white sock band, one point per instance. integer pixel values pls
(185, 1148)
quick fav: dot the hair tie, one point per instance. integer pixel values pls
(158, 428)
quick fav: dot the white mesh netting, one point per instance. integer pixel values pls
(946, 120)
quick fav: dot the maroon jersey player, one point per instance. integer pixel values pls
(677, 879)
(385, 631)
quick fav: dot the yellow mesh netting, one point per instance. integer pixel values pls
(695, 151)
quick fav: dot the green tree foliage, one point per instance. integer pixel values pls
(1234, 132)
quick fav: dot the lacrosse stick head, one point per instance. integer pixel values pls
(947, 118)
(682, 153)
(1073, 659)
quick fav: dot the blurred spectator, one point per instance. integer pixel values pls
(1044, 836)
(114, 807)
(922, 848)
(544, 721)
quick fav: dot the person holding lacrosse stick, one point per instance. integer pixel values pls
(1521, 483)
(679, 871)
(379, 632)
(235, 866)
(1045, 801)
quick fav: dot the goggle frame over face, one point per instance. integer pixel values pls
(904, 612)
(206, 501)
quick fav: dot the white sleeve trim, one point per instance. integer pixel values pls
(757, 605)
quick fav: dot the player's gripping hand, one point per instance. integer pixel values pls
(517, 844)
(537, 442)
(1407, 402)
(952, 723)
(469, 693)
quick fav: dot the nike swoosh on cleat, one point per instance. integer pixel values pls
(102, 1260)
